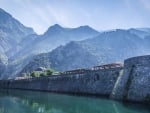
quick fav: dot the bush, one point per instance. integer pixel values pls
(49, 71)
(42, 74)
(34, 74)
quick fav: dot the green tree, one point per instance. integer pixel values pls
(34, 74)
(49, 71)
(43, 74)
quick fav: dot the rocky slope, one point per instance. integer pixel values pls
(67, 57)
(56, 36)
(108, 47)
(12, 32)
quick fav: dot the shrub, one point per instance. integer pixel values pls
(42, 74)
(49, 71)
(34, 74)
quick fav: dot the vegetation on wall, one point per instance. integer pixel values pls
(43, 73)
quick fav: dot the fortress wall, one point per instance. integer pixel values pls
(99, 82)
(134, 84)
(131, 83)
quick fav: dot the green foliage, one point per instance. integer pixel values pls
(34, 74)
(49, 71)
(43, 74)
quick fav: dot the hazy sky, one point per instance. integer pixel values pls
(99, 14)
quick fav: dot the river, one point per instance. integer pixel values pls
(15, 101)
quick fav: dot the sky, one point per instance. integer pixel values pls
(99, 14)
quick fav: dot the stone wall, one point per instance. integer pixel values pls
(131, 83)
(99, 82)
(134, 83)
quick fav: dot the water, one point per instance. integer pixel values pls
(15, 101)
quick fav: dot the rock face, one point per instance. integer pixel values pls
(134, 83)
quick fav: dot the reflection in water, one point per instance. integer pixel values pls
(15, 101)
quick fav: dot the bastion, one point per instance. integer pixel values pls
(134, 83)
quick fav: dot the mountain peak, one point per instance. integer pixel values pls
(56, 25)
(86, 28)
(54, 29)
(11, 26)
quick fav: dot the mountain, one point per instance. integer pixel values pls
(63, 58)
(56, 36)
(18, 43)
(141, 32)
(3, 61)
(12, 32)
(108, 47)
(22, 50)
(51, 39)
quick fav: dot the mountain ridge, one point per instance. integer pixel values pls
(65, 48)
(108, 47)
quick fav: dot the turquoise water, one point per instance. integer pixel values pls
(15, 101)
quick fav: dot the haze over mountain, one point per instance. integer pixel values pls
(108, 47)
(19, 43)
(12, 32)
(22, 50)
(55, 36)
